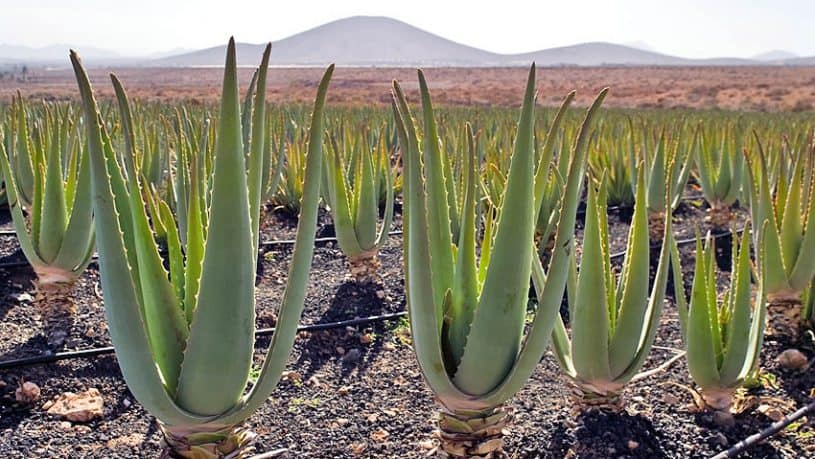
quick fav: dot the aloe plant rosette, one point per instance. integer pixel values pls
(787, 239)
(467, 318)
(723, 336)
(186, 353)
(55, 229)
(354, 206)
(613, 320)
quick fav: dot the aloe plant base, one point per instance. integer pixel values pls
(719, 215)
(200, 442)
(365, 268)
(656, 226)
(473, 435)
(585, 400)
(55, 304)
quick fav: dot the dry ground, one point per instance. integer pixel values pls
(734, 88)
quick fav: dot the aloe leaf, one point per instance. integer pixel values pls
(219, 349)
(294, 295)
(122, 310)
(497, 327)
(590, 324)
(634, 282)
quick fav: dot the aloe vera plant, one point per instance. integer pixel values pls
(55, 229)
(723, 337)
(665, 169)
(467, 317)
(787, 239)
(185, 339)
(353, 182)
(613, 321)
(720, 171)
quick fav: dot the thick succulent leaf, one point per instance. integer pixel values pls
(550, 297)
(700, 342)
(257, 147)
(295, 293)
(497, 327)
(122, 310)
(54, 214)
(438, 213)
(79, 234)
(590, 323)
(425, 315)
(340, 204)
(633, 305)
(17, 217)
(219, 349)
(738, 326)
(465, 287)
(367, 209)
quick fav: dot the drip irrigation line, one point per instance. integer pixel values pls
(681, 242)
(94, 352)
(773, 429)
(271, 243)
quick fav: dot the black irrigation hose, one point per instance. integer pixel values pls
(773, 429)
(272, 243)
(681, 242)
(28, 361)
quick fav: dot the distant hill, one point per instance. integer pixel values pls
(381, 41)
(53, 54)
(359, 40)
(775, 55)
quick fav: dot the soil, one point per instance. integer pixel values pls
(358, 392)
(731, 88)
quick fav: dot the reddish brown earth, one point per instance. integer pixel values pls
(733, 88)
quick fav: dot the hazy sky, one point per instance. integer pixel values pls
(688, 28)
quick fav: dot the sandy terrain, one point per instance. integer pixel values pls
(735, 88)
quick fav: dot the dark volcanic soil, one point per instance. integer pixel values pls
(358, 392)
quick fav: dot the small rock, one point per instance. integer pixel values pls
(632, 445)
(292, 376)
(388, 346)
(357, 448)
(793, 359)
(340, 350)
(24, 298)
(82, 429)
(339, 422)
(82, 407)
(366, 338)
(126, 402)
(771, 412)
(27, 393)
(427, 444)
(352, 356)
(64, 425)
(380, 294)
(344, 390)
(379, 435)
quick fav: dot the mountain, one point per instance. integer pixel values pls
(359, 40)
(775, 55)
(382, 41)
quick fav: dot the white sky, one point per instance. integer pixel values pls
(689, 28)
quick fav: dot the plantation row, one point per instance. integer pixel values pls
(172, 199)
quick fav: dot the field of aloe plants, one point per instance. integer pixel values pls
(251, 280)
